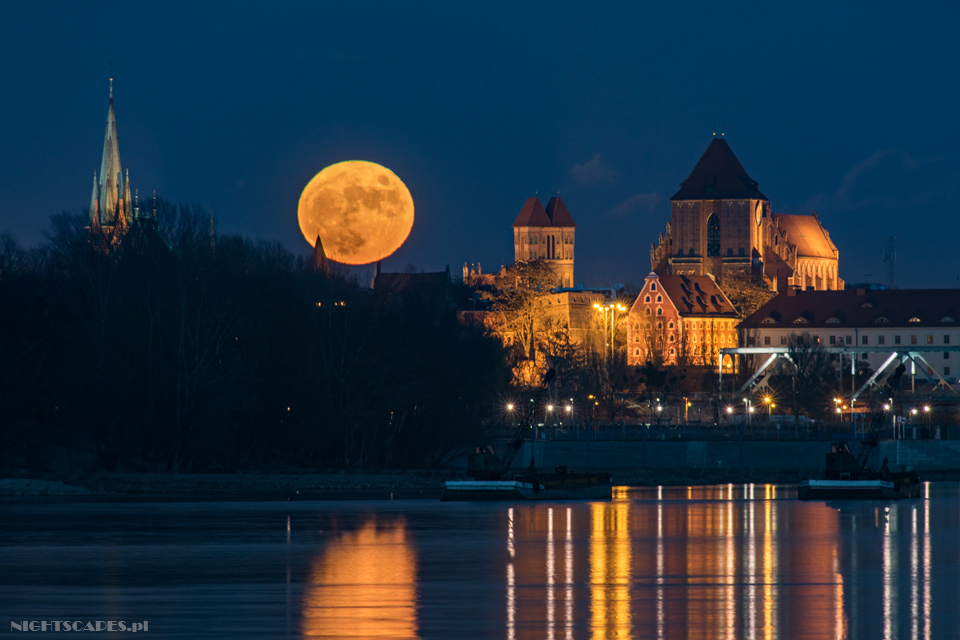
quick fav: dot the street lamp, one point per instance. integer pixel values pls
(609, 309)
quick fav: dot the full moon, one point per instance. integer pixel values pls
(362, 211)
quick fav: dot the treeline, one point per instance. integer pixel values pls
(172, 348)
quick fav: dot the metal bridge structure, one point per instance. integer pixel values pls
(912, 356)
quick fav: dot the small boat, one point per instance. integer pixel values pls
(872, 489)
(847, 478)
(554, 486)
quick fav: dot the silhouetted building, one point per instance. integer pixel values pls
(724, 226)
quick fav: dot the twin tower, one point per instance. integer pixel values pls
(546, 233)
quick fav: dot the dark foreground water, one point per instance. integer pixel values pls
(740, 561)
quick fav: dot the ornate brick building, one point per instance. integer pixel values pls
(724, 226)
(680, 319)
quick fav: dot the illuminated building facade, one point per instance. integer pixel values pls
(680, 319)
(724, 226)
(546, 233)
(871, 324)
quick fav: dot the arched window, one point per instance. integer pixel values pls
(713, 235)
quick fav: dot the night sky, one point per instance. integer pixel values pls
(848, 109)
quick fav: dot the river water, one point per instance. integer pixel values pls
(721, 562)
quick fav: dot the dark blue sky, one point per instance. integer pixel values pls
(848, 109)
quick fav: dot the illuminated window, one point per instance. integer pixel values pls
(713, 235)
(914, 319)
(929, 339)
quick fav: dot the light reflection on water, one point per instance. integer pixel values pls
(700, 563)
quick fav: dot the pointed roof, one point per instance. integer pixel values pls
(558, 214)
(110, 178)
(532, 215)
(719, 176)
(318, 259)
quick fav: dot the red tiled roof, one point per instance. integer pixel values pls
(860, 308)
(532, 215)
(719, 176)
(696, 295)
(557, 211)
(807, 234)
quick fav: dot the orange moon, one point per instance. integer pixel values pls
(362, 211)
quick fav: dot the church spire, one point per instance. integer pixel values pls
(95, 204)
(110, 172)
(318, 259)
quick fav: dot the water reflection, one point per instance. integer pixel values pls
(610, 569)
(364, 585)
(719, 563)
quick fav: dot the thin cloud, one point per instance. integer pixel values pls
(887, 179)
(594, 171)
(638, 203)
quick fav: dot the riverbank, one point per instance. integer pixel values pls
(383, 485)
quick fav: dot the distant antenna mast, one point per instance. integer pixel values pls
(890, 259)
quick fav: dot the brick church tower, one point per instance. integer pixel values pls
(722, 225)
(546, 233)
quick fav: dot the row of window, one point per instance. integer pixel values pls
(536, 239)
(865, 340)
(914, 339)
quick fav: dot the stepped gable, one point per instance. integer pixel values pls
(532, 215)
(558, 213)
(719, 176)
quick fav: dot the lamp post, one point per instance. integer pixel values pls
(610, 309)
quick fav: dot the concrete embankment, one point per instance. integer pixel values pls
(802, 458)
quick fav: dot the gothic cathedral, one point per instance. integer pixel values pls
(722, 225)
